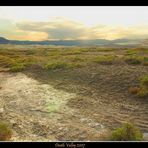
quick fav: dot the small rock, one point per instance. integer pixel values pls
(145, 136)
(83, 119)
(60, 128)
(12, 121)
(50, 132)
(1, 110)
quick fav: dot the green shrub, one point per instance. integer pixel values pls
(61, 65)
(128, 132)
(77, 59)
(145, 61)
(75, 65)
(30, 52)
(133, 60)
(17, 67)
(71, 52)
(136, 51)
(144, 81)
(106, 60)
(143, 92)
(139, 91)
(5, 132)
(131, 52)
(144, 87)
(56, 65)
(5, 61)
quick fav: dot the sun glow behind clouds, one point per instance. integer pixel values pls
(39, 23)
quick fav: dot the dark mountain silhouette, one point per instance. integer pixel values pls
(93, 42)
(65, 42)
(3, 40)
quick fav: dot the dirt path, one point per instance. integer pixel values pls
(38, 112)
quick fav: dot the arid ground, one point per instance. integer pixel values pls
(82, 101)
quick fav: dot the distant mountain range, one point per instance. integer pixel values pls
(93, 42)
(3, 40)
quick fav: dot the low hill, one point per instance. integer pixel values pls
(3, 40)
(93, 42)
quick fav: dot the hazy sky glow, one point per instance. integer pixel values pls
(43, 23)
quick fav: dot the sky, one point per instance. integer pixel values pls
(73, 22)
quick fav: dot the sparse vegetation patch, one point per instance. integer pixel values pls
(106, 60)
(142, 90)
(133, 60)
(128, 132)
(5, 132)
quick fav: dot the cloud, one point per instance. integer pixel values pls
(32, 36)
(65, 29)
(56, 29)
(62, 28)
(6, 27)
(130, 32)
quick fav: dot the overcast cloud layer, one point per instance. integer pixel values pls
(64, 29)
(54, 23)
